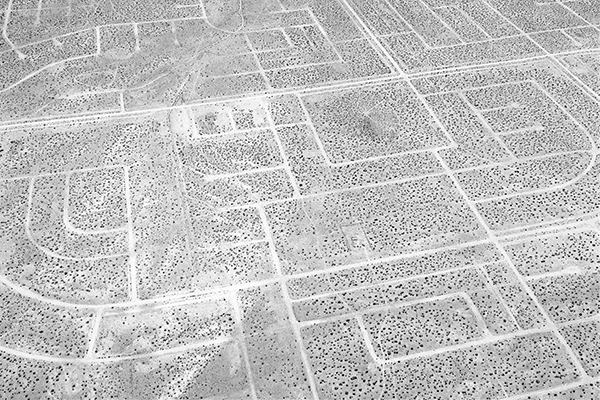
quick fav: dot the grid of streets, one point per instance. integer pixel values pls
(300, 199)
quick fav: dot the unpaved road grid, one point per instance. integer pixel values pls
(299, 199)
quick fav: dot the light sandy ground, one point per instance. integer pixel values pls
(299, 199)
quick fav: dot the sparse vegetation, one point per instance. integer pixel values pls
(299, 199)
